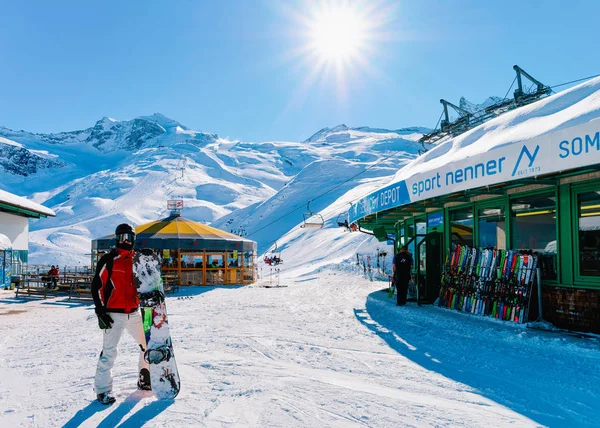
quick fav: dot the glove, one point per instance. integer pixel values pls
(104, 320)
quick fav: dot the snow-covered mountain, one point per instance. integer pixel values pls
(119, 171)
(474, 108)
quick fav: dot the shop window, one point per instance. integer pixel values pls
(192, 260)
(533, 228)
(248, 259)
(491, 230)
(461, 226)
(169, 259)
(215, 261)
(589, 233)
(422, 253)
(410, 230)
(233, 259)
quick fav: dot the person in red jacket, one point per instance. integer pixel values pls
(116, 300)
(53, 276)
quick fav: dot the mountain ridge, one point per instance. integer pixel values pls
(125, 171)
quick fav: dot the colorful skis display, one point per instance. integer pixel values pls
(488, 282)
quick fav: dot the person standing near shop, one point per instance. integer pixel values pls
(402, 266)
(116, 300)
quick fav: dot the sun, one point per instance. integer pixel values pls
(338, 33)
(334, 43)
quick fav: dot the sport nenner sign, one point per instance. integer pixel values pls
(574, 147)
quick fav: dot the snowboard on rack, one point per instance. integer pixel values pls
(159, 348)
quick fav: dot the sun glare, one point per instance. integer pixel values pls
(337, 33)
(336, 42)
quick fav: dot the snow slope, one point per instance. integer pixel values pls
(125, 171)
(329, 349)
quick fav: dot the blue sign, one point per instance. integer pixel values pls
(390, 242)
(391, 236)
(391, 196)
(467, 167)
(436, 219)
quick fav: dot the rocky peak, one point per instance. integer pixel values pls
(110, 135)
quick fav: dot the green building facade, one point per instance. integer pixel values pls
(507, 185)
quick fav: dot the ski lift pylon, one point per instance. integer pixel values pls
(311, 219)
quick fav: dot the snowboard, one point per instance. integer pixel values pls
(159, 348)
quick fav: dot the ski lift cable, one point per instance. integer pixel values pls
(575, 81)
(328, 191)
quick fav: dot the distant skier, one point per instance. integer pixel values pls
(402, 265)
(116, 299)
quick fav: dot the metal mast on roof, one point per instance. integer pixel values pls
(467, 120)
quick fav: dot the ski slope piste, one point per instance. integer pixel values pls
(574, 147)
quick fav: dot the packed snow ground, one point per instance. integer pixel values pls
(330, 349)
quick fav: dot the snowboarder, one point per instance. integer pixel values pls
(402, 266)
(116, 300)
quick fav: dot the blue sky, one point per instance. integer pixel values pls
(233, 68)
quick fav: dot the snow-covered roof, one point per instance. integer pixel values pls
(26, 204)
(555, 134)
(4, 242)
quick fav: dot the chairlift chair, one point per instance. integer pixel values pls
(343, 223)
(312, 220)
(273, 258)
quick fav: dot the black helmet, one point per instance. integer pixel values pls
(125, 236)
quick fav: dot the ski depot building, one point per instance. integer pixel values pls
(15, 212)
(528, 180)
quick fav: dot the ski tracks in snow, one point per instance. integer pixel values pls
(248, 357)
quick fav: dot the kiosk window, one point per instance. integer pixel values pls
(533, 227)
(589, 233)
(461, 226)
(491, 228)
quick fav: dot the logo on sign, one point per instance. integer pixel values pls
(530, 157)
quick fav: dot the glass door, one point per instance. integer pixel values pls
(420, 255)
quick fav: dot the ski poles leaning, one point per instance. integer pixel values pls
(487, 282)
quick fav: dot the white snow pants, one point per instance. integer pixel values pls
(133, 324)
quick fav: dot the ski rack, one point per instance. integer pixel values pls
(487, 282)
(467, 120)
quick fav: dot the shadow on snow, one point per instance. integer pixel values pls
(195, 290)
(553, 380)
(114, 418)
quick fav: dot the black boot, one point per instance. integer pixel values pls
(144, 380)
(106, 398)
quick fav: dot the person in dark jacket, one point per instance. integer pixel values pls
(116, 300)
(402, 266)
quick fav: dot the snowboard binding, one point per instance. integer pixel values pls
(158, 355)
